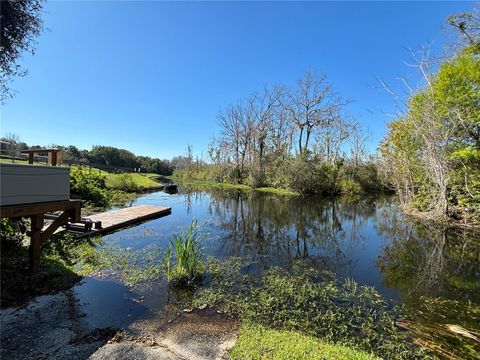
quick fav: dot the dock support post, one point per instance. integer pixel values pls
(35, 241)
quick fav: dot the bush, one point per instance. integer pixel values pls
(89, 186)
(277, 174)
(308, 176)
(350, 186)
(12, 233)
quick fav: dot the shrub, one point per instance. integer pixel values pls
(89, 186)
(308, 176)
(350, 186)
(12, 233)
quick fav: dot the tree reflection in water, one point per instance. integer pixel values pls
(422, 258)
(342, 235)
(271, 230)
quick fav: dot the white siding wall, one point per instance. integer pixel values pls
(26, 184)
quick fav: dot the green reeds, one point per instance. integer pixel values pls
(183, 260)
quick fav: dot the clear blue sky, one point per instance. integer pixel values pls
(150, 76)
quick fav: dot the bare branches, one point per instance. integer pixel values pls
(312, 104)
(468, 25)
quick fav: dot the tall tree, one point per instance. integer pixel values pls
(311, 105)
(20, 24)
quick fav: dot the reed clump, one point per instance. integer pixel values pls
(183, 261)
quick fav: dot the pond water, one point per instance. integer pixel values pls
(367, 239)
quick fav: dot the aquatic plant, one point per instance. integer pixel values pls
(334, 311)
(183, 259)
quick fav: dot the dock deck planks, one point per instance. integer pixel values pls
(117, 219)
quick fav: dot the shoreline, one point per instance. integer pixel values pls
(222, 185)
(429, 218)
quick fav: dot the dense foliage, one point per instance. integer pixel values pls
(431, 153)
(20, 24)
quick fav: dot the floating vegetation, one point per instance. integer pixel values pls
(89, 255)
(450, 328)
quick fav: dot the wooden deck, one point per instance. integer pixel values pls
(117, 219)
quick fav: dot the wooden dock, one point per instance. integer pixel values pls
(118, 219)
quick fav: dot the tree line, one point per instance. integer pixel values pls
(300, 138)
(108, 156)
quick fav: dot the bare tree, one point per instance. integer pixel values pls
(311, 105)
(281, 133)
(263, 105)
(332, 138)
(236, 122)
(432, 133)
(468, 25)
(13, 148)
(358, 140)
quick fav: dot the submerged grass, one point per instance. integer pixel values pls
(87, 255)
(308, 303)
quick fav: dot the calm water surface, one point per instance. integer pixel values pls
(366, 239)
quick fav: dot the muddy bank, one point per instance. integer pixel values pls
(67, 325)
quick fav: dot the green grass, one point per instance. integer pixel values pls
(209, 183)
(130, 182)
(258, 342)
(309, 302)
(277, 191)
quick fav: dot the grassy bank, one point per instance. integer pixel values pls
(308, 303)
(98, 188)
(259, 342)
(131, 182)
(207, 183)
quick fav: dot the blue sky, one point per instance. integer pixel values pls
(150, 76)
